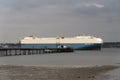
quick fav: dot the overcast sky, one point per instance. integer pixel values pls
(47, 18)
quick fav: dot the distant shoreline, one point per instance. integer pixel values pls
(111, 45)
(105, 45)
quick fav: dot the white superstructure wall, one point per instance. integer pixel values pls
(74, 40)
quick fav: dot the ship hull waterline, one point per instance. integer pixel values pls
(83, 46)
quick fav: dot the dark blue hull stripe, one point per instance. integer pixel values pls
(74, 46)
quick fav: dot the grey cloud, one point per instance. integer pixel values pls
(60, 17)
(111, 6)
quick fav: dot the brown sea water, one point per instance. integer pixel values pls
(107, 56)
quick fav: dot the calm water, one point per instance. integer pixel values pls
(75, 59)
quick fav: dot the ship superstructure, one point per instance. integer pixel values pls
(78, 42)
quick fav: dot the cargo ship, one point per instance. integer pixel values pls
(77, 42)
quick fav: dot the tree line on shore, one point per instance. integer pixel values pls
(105, 45)
(111, 45)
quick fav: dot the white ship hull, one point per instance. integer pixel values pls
(79, 42)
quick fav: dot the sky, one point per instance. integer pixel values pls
(52, 18)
